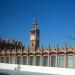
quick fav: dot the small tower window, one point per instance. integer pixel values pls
(32, 44)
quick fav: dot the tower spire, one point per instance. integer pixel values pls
(35, 22)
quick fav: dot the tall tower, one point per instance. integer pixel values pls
(34, 35)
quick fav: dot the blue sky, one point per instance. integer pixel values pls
(56, 20)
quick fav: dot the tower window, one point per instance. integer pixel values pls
(37, 33)
(32, 44)
(33, 32)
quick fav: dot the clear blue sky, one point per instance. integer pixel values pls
(56, 19)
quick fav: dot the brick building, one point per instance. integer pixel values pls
(12, 51)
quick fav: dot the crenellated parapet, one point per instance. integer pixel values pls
(69, 50)
(61, 51)
(38, 51)
(25, 51)
(18, 52)
(53, 51)
(13, 52)
(45, 51)
(7, 52)
(2, 52)
(31, 51)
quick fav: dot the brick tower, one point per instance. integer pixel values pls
(34, 35)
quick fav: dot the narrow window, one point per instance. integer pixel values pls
(53, 61)
(31, 60)
(2, 59)
(12, 59)
(61, 60)
(18, 60)
(45, 60)
(7, 59)
(24, 60)
(70, 61)
(37, 60)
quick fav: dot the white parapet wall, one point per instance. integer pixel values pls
(39, 69)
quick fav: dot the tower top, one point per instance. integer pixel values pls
(34, 35)
(35, 22)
